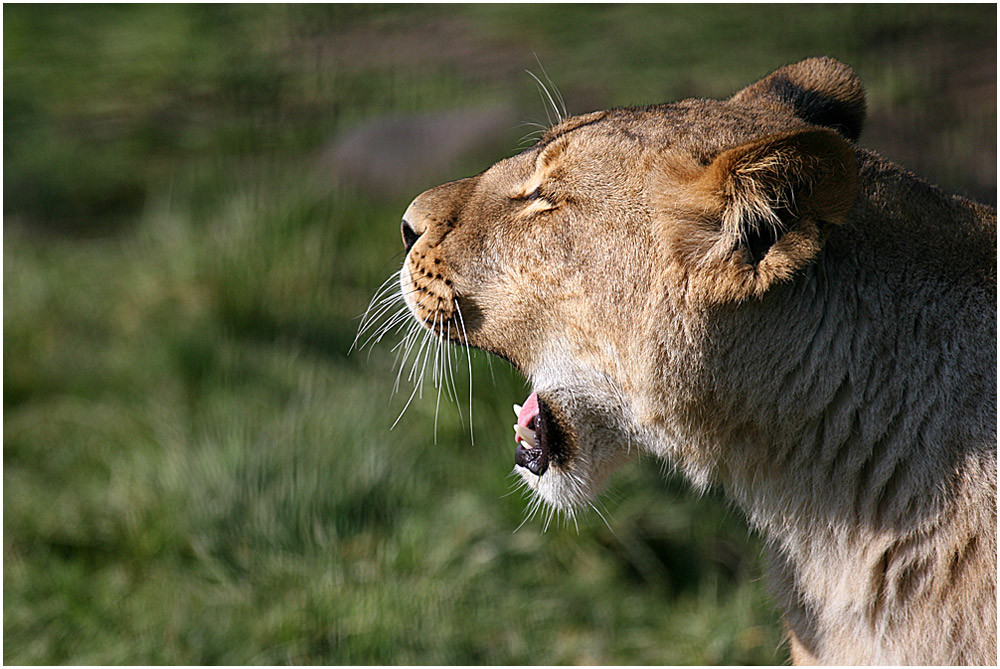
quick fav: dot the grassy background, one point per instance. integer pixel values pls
(196, 471)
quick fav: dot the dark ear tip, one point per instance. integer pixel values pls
(822, 91)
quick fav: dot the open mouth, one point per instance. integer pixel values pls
(538, 435)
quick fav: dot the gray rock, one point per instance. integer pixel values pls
(398, 153)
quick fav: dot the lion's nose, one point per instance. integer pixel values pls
(410, 236)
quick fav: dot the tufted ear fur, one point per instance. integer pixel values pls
(821, 91)
(757, 214)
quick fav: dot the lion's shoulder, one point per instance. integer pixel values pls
(900, 217)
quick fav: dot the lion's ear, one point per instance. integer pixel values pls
(768, 186)
(759, 212)
(821, 91)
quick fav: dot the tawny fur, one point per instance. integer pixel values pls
(735, 287)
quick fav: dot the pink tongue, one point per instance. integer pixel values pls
(528, 413)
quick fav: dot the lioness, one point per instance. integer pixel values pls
(736, 287)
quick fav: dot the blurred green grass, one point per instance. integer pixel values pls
(196, 471)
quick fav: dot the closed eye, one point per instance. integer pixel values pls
(536, 203)
(527, 195)
(528, 191)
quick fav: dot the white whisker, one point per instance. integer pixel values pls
(410, 341)
(423, 350)
(426, 349)
(438, 371)
(385, 327)
(367, 318)
(468, 353)
(562, 103)
(551, 511)
(534, 504)
(418, 385)
(533, 135)
(450, 377)
(516, 486)
(598, 511)
(548, 95)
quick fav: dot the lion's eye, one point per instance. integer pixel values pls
(528, 196)
(534, 202)
(525, 195)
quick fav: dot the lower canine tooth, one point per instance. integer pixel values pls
(517, 410)
(526, 434)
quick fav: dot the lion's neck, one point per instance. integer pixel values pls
(830, 412)
(841, 405)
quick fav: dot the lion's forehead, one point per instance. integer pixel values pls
(698, 128)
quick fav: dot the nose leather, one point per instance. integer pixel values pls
(410, 236)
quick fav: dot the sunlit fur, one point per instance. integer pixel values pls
(735, 287)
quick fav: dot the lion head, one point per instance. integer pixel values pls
(589, 260)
